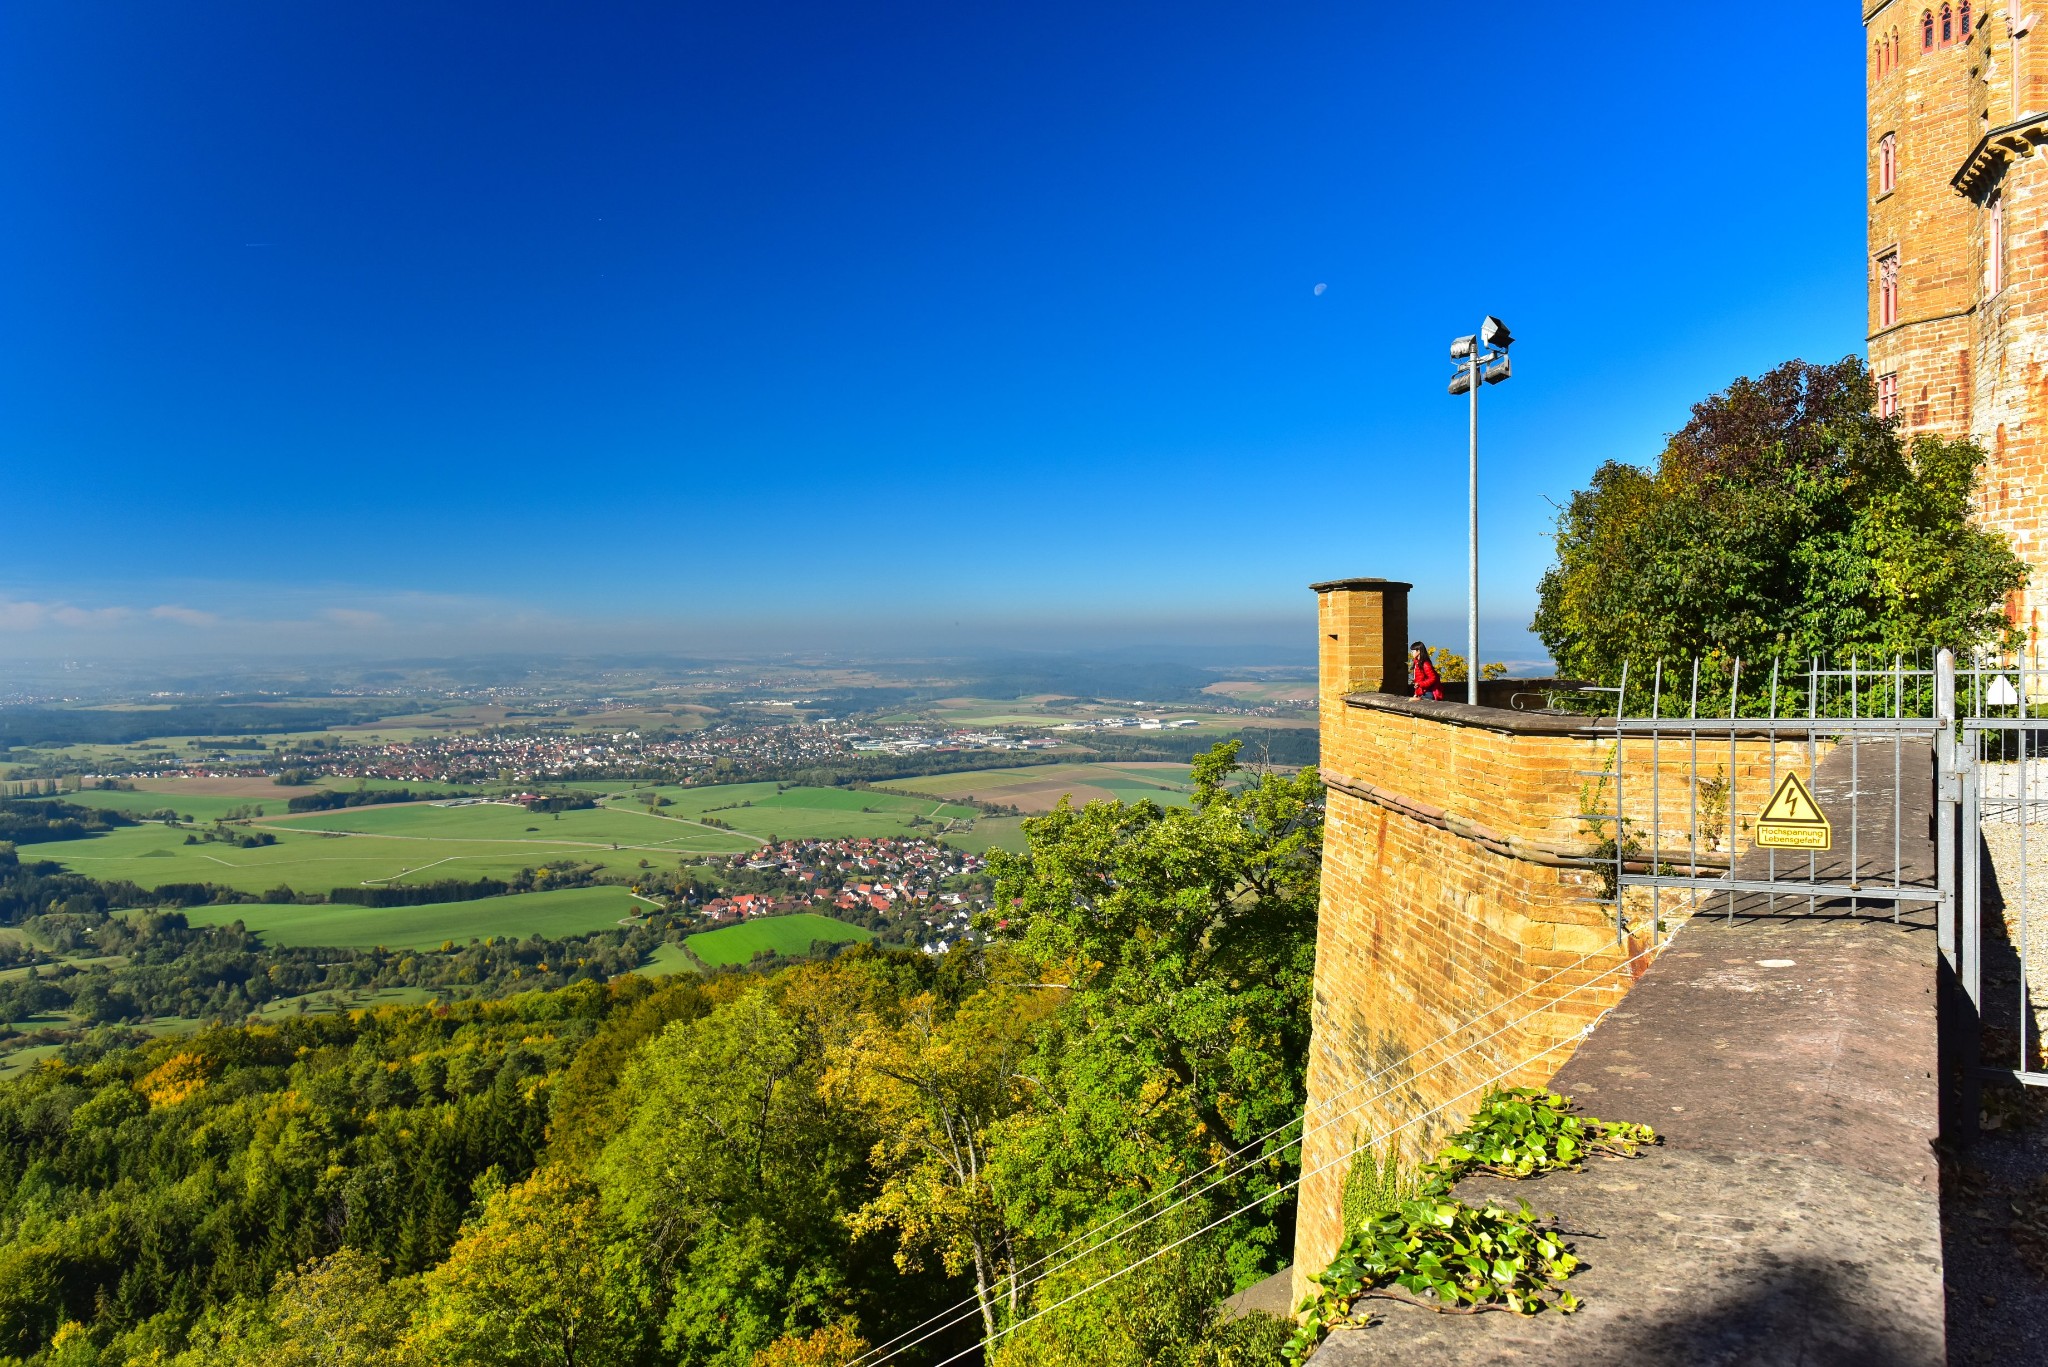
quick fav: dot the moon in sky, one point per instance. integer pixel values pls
(1320, 289)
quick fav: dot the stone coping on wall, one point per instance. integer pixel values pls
(1489, 718)
(1546, 723)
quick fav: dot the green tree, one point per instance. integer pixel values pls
(336, 1311)
(1785, 519)
(538, 1279)
(733, 1173)
(1184, 941)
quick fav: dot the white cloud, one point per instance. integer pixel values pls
(66, 615)
(354, 617)
(191, 617)
(16, 615)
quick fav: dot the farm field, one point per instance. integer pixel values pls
(666, 960)
(412, 843)
(420, 842)
(759, 810)
(572, 911)
(1038, 788)
(200, 806)
(790, 934)
(990, 833)
(1300, 692)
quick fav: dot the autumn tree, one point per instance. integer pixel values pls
(937, 1079)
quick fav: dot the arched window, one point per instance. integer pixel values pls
(1927, 30)
(1963, 19)
(1888, 163)
(1948, 26)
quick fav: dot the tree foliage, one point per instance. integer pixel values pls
(1785, 520)
(538, 1279)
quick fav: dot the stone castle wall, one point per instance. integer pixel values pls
(1968, 351)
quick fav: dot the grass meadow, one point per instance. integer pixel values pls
(572, 911)
(792, 935)
(419, 842)
(1038, 788)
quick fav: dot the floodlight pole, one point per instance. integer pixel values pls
(1472, 539)
(1483, 359)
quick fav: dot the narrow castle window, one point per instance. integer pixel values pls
(1948, 26)
(1888, 395)
(1927, 30)
(1963, 20)
(1887, 163)
(1994, 246)
(1888, 289)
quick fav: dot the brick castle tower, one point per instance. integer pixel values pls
(1959, 246)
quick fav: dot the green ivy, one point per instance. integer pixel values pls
(1521, 1131)
(1438, 1252)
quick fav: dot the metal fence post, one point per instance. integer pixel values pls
(1947, 793)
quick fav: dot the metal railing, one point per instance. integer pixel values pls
(1875, 714)
(1934, 779)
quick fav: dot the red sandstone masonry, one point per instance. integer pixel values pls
(1971, 360)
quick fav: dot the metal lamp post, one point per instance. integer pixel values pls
(1481, 357)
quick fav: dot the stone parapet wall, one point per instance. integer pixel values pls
(1501, 779)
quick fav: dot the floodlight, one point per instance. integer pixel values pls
(1461, 383)
(1462, 348)
(1495, 333)
(1496, 372)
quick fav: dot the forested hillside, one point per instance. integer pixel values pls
(786, 1168)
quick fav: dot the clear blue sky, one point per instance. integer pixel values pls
(370, 324)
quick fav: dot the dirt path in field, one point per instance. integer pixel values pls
(685, 821)
(606, 845)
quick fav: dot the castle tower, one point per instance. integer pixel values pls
(1958, 337)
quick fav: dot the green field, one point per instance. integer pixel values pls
(990, 833)
(389, 844)
(667, 959)
(201, 807)
(1037, 787)
(420, 842)
(802, 813)
(791, 935)
(572, 911)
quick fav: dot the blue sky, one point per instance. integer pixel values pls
(367, 325)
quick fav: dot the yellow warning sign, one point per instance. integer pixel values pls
(1792, 820)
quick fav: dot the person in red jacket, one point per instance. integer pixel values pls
(1427, 683)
